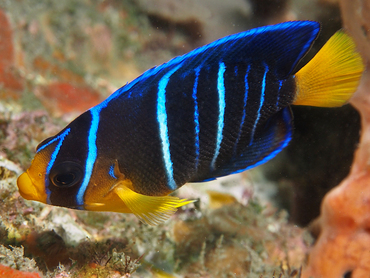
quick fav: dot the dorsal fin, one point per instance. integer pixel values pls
(281, 46)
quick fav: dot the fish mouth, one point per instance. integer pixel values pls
(29, 190)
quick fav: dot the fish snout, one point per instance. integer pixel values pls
(29, 190)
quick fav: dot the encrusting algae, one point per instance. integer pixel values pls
(9, 272)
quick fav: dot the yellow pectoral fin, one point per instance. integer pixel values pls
(151, 210)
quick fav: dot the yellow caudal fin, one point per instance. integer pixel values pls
(151, 210)
(332, 76)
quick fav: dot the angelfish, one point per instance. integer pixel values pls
(220, 109)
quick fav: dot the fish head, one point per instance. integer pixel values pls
(31, 183)
(55, 175)
(58, 174)
(71, 170)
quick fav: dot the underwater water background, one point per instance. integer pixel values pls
(59, 58)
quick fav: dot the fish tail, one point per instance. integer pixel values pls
(332, 76)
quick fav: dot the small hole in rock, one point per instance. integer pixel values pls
(348, 274)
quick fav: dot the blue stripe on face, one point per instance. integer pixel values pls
(221, 110)
(111, 172)
(52, 141)
(53, 157)
(246, 90)
(196, 116)
(261, 103)
(92, 153)
(163, 128)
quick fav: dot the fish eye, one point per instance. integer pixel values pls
(66, 174)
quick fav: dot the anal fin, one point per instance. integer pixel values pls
(268, 141)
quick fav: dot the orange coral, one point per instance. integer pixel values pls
(60, 98)
(44, 67)
(343, 247)
(7, 78)
(8, 272)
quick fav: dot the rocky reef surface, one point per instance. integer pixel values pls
(59, 58)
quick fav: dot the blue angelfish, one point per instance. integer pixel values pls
(220, 109)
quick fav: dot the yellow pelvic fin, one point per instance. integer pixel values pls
(151, 210)
(332, 76)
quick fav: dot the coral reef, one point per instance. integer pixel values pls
(9, 272)
(61, 98)
(59, 58)
(200, 18)
(342, 248)
(7, 76)
(234, 229)
(14, 264)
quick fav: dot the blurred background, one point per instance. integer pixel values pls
(59, 58)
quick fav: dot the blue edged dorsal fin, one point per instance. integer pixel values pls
(268, 141)
(281, 46)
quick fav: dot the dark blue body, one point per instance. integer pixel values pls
(220, 109)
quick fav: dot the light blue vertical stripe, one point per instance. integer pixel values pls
(278, 94)
(262, 100)
(287, 120)
(53, 157)
(91, 154)
(163, 128)
(196, 116)
(246, 91)
(221, 111)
